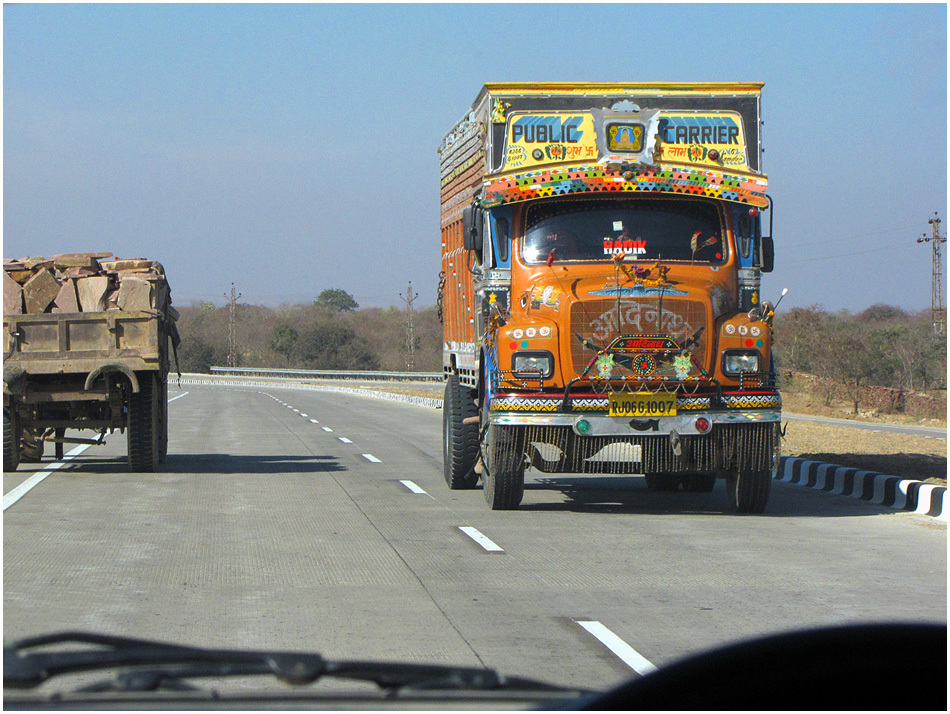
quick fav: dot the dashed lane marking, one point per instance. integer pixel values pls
(411, 486)
(483, 540)
(183, 394)
(344, 440)
(326, 428)
(370, 457)
(633, 659)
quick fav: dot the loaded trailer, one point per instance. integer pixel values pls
(90, 351)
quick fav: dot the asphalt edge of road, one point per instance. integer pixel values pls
(888, 491)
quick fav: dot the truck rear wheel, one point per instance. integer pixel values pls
(504, 477)
(459, 440)
(143, 431)
(162, 421)
(748, 490)
(699, 483)
(11, 442)
(663, 482)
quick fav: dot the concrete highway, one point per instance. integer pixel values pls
(309, 520)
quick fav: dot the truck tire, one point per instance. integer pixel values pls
(143, 432)
(699, 483)
(663, 482)
(163, 421)
(459, 441)
(504, 476)
(32, 445)
(748, 490)
(11, 442)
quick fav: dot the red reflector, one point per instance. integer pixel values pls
(703, 425)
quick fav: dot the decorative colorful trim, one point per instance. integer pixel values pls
(563, 182)
(587, 403)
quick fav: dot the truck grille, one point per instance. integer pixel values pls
(601, 322)
(555, 449)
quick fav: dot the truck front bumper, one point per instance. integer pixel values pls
(694, 440)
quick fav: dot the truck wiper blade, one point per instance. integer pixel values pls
(163, 666)
(25, 670)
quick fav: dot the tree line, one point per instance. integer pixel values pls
(880, 346)
(330, 333)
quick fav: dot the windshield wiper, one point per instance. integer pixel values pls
(162, 666)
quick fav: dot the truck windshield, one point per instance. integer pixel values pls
(639, 229)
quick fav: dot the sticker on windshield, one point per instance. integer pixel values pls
(622, 246)
(618, 225)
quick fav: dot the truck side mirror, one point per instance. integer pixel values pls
(472, 228)
(768, 248)
(768, 254)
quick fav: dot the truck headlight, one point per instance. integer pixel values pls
(524, 362)
(735, 362)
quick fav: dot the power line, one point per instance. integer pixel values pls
(232, 324)
(410, 339)
(937, 312)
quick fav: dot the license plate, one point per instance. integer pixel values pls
(642, 405)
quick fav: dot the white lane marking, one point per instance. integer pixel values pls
(344, 440)
(20, 491)
(184, 394)
(480, 538)
(411, 486)
(314, 421)
(304, 415)
(632, 658)
(296, 410)
(370, 457)
(326, 428)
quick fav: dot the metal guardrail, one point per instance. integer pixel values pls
(327, 374)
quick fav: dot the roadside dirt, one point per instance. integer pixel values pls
(912, 457)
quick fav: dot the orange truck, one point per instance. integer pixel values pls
(602, 251)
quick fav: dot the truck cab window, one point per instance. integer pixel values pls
(502, 238)
(640, 229)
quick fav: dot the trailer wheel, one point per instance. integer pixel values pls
(504, 477)
(459, 441)
(663, 482)
(748, 490)
(11, 442)
(143, 431)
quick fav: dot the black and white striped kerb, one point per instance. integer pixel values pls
(889, 491)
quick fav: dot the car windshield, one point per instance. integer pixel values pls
(638, 229)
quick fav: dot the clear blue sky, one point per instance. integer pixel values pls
(292, 148)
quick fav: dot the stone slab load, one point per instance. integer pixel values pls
(83, 282)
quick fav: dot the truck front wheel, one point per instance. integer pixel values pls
(459, 440)
(143, 426)
(504, 478)
(748, 490)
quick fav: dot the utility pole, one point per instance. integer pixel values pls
(410, 340)
(232, 323)
(938, 313)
